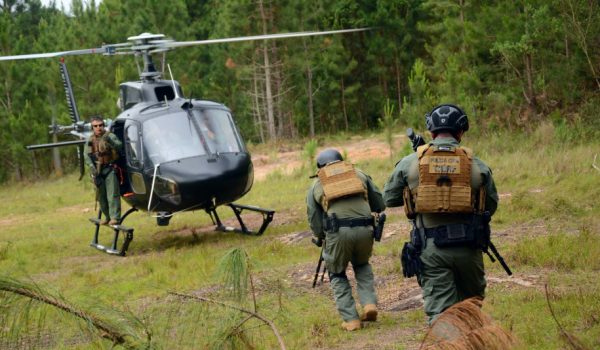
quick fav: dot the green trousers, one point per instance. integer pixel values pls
(449, 276)
(108, 195)
(350, 245)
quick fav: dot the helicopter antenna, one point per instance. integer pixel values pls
(137, 64)
(173, 81)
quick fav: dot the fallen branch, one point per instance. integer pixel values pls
(574, 342)
(251, 313)
(107, 330)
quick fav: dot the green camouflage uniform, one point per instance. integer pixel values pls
(349, 244)
(450, 274)
(108, 192)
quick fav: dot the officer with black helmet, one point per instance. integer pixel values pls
(442, 187)
(340, 204)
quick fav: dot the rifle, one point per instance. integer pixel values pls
(482, 224)
(498, 257)
(319, 243)
(416, 140)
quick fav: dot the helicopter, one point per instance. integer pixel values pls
(179, 154)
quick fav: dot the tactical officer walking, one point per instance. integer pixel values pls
(102, 150)
(340, 204)
(445, 191)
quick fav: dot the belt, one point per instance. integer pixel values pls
(355, 222)
(333, 223)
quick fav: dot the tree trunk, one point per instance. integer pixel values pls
(531, 99)
(344, 105)
(258, 122)
(398, 81)
(57, 164)
(268, 92)
(309, 91)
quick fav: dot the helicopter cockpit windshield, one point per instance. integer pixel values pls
(182, 135)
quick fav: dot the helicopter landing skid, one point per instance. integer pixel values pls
(128, 235)
(267, 215)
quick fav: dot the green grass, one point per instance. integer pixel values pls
(44, 236)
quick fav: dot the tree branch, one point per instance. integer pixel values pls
(253, 314)
(574, 342)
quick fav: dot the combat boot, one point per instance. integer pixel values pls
(103, 222)
(370, 313)
(113, 222)
(351, 325)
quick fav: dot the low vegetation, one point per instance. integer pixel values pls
(547, 228)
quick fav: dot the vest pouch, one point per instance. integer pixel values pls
(455, 235)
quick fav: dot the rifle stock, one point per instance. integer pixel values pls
(319, 269)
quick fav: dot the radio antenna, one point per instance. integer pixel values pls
(173, 81)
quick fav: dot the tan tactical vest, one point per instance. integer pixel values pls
(444, 180)
(105, 154)
(339, 180)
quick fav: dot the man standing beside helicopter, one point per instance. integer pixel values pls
(102, 150)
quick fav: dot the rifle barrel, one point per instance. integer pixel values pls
(500, 259)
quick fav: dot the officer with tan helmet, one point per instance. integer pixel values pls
(444, 189)
(340, 204)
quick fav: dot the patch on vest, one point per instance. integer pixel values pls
(444, 165)
(339, 180)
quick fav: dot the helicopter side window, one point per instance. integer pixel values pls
(131, 96)
(164, 93)
(132, 145)
(218, 129)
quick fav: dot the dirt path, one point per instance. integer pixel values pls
(356, 149)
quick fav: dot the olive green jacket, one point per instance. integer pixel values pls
(344, 208)
(406, 174)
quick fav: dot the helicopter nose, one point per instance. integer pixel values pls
(204, 179)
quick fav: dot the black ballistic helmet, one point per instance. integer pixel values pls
(328, 156)
(447, 117)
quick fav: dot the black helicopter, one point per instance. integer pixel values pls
(180, 154)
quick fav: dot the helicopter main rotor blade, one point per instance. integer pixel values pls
(104, 50)
(174, 44)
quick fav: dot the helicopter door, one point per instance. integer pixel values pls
(133, 153)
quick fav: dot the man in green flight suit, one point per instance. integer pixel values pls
(340, 204)
(443, 188)
(101, 152)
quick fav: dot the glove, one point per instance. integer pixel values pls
(318, 241)
(411, 263)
